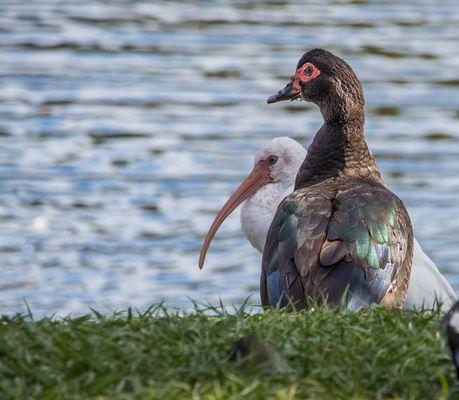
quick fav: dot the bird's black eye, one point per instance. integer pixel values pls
(308, 71)
(272, 160)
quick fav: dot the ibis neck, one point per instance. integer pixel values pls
(339, 146)
(259, 210)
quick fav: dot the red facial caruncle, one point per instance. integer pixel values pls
(306, 73)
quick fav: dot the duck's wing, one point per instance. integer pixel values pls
(428, 286)
(353, 245)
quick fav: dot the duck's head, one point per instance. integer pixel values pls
(277, 161)
(321, 78)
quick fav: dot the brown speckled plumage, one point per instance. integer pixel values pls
(342, 231)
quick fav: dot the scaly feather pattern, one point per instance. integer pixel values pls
(329, 241)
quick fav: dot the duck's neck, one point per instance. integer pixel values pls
(339, 146)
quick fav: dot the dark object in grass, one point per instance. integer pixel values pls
(451, 323)
(252, 349)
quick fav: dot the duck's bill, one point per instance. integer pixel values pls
(287, 93)
(258, 178)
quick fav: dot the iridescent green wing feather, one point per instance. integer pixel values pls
(298, 229)
(365, 221)
(323, 244)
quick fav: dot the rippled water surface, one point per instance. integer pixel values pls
(125, 125)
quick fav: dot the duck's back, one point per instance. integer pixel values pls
(341, 237)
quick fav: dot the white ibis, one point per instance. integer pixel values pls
(427, 285)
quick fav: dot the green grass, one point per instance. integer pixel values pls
(162, 354)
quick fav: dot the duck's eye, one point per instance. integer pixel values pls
(272, 160)
(308, 70)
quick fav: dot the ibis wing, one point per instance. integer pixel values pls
(355, 242)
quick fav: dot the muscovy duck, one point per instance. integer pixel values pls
(342, 236)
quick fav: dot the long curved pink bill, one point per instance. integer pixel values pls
(258, 178)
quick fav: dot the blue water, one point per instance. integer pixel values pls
(125, 125)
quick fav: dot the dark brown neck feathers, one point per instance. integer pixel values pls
(339, 146)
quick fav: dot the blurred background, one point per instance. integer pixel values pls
(125, 125)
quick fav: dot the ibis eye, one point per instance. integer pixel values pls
(272, 160)
(308, 70)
